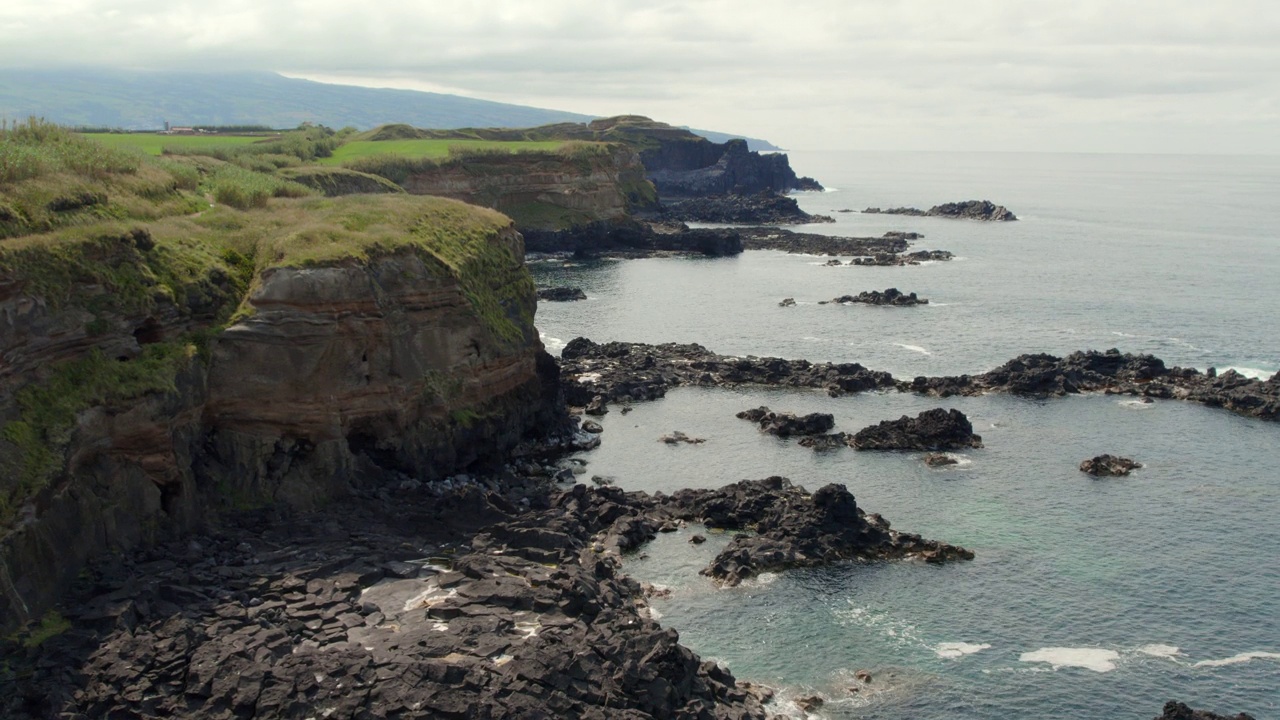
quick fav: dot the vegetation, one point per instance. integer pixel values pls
(157, 144)
(51, 625)
(49, 409)
(244, 189)
(430, 148)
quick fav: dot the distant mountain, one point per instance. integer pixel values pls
(141, 100)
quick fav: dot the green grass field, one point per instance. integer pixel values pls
(430, 148)
(154, 144)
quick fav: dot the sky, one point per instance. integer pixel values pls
(983, 75)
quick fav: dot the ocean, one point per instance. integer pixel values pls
(1091, 598)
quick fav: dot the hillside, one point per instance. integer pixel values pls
(145, 100)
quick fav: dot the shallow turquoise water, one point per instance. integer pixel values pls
(1105, 578)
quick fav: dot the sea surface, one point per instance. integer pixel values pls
(1087, 598)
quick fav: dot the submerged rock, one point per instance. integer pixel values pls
(1174, 710)
(788, 424)
(1109, 466)
(677, 437)
(561, 294)
(939, 460)
(935, 429)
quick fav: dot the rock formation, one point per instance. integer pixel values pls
(935, 429)
(1109, 466)
(787, 424)
(763, 208)
(1174, 710)
(132, 408)
(967, 210)
(892, 296)
(561, 294)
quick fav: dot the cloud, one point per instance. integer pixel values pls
(889, 69)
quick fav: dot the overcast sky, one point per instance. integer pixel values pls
(1082, 75)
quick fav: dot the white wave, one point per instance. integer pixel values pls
(938, 304)
(1095, 659)
(1238, 659)
(913, 348)
(1161, 651)
(810, 338)
(1137, 404)
(1254, 373)
(953, 650)
(1124, 334)
(961, 460)
(553, 344)
(764, 578)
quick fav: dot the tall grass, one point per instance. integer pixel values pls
(244, 189)
(35, 148)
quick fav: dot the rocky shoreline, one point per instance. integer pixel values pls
(628, 372)
(496, 597)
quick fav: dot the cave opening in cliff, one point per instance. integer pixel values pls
(149, 333)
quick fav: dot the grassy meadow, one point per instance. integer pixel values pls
(155, 144)
(431, 148)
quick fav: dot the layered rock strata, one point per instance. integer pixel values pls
(129, 413)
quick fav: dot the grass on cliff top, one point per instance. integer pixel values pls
(157, 144)
(430, 148)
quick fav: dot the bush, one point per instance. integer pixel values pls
(36, 148)
(244, 189)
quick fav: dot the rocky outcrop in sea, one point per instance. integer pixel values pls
(967, 210)
(763, 208)
(787, 424)
(891, 296)
(935, 429)
(1109, 466)
(561, 294)
(618, 371)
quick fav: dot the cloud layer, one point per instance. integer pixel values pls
(1144, 75)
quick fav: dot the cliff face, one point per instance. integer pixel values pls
(538, 190)
(397, 343)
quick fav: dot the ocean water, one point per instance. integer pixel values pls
(1088, 598)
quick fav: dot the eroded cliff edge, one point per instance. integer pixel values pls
(162, 367)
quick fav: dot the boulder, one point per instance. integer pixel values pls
(788, 424)
(1109, 466)
(935, 429)
(561, 294)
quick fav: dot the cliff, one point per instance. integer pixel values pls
(579, 184)
(157, 370)
(678, 162)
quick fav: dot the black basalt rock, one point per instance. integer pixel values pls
(935, 429)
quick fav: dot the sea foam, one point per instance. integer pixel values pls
(1238, 659)
(913, 348)
(1095, 659)
(952, 650)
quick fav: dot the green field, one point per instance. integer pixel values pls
(430, 148)
(154, 144)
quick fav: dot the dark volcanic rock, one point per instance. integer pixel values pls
(885, 259)
(773, 238)
(795, 529)
(1178, 711)
(763, 208)
(679, 168)
(788, 424)
(787, 302)
(635, 371)
(892, 296)
(625, 372)
(561, 294)
(967, 210)
(678, 437)
(1109, 466)
(822, 443)
(939, 460)
(935, 429)
(632, 238)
